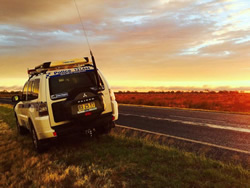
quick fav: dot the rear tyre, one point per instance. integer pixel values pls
(38, 145)
(106, 128)
(20, 129)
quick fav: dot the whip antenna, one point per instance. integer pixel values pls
(85, 34)
(99, 85)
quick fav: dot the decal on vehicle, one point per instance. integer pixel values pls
(59, 95)
(69, 71)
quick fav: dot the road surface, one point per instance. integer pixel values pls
(222, 129)
(6, 101)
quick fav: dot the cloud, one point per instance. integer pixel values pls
(181, 40)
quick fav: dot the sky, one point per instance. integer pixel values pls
(138, 45)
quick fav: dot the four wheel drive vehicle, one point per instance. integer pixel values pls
(65, 97)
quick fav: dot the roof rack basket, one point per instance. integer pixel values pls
(58, 65)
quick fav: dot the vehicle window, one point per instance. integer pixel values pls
(36, 88)
(30, 85)
(33, 89)
(24, 95)
(66, 83)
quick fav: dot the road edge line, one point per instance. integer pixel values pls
(185, 139)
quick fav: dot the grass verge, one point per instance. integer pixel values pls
(111, 161)
(7, 115)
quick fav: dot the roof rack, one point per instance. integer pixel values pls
(57, 65)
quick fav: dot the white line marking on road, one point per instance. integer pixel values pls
(185, 139)
(192, 123)
(195, 118)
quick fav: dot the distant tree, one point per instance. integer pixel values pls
(212, 92)
(151, 91)
(223, 92)
(233, 92)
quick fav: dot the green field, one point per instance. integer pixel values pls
(110, 161)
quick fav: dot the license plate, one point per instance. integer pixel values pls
(86, 107)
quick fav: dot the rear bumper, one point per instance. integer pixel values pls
(42, 127)
(77, 126)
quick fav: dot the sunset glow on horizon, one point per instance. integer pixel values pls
(138, 45)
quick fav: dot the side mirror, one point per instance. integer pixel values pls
(96, 89)
(101, 88)
(16, 98)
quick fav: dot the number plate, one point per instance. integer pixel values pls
(86, 107)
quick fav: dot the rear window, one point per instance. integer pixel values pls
(60, 86)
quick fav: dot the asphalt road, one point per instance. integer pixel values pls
(222, 129)
(6, 101)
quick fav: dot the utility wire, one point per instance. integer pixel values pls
(83, 27)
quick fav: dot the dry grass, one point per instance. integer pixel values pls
(224, 101)
(20, 166)
(111, 161)
(7, 106)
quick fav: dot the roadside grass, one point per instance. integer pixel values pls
(7, 114)
(110, 161)
(222, 101)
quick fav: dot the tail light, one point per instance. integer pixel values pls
(43, 109)
(88, 114)
(112, 95)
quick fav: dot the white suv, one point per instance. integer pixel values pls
(65, 97)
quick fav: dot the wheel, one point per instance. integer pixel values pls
(20, 129)
(38, 145)
(106, 128)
